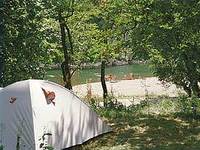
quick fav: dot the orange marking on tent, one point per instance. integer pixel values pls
(50, 96)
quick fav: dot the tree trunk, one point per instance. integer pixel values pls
(192, 75)
(103, 82)
(65, 65)
(187, 89)
(195, 88)
(66, 76)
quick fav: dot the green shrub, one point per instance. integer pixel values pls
(189, 105)
(1, 147)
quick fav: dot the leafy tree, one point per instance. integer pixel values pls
(136, 29)
(66, 64)
(168, 31)
(109, 39)
(25, 56)
(174, 42)
(61, 11)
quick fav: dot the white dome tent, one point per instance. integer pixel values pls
(30, 120)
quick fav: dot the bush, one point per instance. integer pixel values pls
(189, 105)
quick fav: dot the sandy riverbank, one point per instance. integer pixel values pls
(131, 88)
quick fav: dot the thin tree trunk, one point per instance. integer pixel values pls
(65, 65)
(193, 75)
(187, 89)
(195, 88)
(103, 82)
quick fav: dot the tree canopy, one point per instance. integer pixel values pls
(166, 33)
(24, 54)
(174, 42)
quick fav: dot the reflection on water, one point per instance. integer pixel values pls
(82, 76)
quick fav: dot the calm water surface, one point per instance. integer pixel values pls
(83, 75)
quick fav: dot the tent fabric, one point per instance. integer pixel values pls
(28, 120)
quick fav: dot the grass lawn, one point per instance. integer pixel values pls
(148, 128)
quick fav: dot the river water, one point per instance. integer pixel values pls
(93, 75)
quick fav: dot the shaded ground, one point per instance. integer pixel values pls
(155, 132)
(142, 129)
